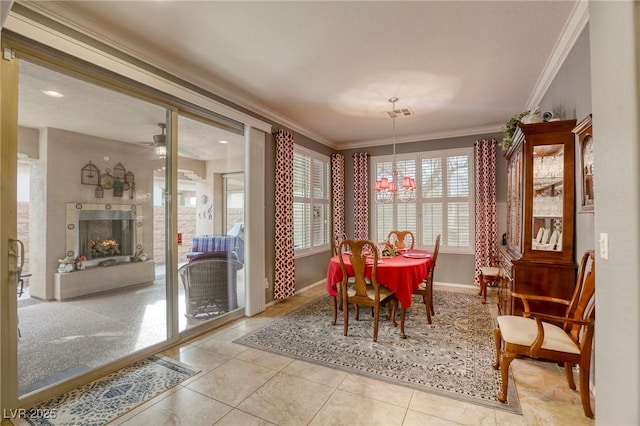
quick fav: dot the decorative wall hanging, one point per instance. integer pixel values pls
(129, 177)
(90, 175)
(107, 180)
(119, 180)
(117, 188)
(119, 171)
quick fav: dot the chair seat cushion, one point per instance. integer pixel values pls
(422, 286)
(352, 280)
(371, 293)
(490, 271)
(523, 331)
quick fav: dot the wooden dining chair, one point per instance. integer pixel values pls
(363, 291)
(564, 339)
(488, 274)
(401, 239)
(426, 287)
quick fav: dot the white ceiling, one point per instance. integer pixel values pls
(328, 68)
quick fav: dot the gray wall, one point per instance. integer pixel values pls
(615, 88)
(569, 96)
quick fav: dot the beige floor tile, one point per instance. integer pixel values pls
(315, 373)
(184, 407)
(265, 359)
(228, 335)
(147, 404)
(345, 408)
(252, 324)
(381, 391)
(451, 409)
(287, 400)
(232, 382)
(223, 347)
(504, 418)
(199, 358)
(545, 396)
(415, 418)
(240, 418)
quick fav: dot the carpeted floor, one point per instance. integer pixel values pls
(111, 396)
(451, 357)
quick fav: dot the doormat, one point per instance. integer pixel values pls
(103, 400)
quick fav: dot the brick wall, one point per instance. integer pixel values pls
(23, 230)
(186, 226)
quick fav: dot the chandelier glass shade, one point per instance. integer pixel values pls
(387, 188)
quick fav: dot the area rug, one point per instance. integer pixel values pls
(111, 396)
(451, 357)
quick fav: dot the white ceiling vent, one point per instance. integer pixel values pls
(400, 112)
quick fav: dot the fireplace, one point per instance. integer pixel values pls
(120, 230)
(104, 234)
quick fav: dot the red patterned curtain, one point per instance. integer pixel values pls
(337, 188)
(361, 195)
(284, 284)
(485, 165)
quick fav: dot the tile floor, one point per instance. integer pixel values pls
(238, 385)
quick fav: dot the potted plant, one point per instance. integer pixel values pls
(509, 128)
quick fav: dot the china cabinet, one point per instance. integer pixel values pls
(538, 256)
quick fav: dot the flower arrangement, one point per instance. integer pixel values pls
(389, 250)
(509, 128)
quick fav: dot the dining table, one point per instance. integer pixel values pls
(401, 274)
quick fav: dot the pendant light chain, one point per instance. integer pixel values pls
(388, 190)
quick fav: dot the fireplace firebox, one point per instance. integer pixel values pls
(106, 233)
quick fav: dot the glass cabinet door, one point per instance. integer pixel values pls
(548, 195)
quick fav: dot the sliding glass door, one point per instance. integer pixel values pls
(91, 286)
(211, 250)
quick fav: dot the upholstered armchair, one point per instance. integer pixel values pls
(564, 339)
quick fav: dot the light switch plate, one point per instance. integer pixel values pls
(604, 246)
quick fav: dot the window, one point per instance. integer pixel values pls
(444, 204)
(311, 222)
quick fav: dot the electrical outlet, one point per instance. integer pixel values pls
(266, 282)
(604, 246)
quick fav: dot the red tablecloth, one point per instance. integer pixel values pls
(400, 274)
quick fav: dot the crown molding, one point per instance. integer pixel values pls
(470, 131)
(577, 21)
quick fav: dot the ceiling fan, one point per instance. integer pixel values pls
(159, 143)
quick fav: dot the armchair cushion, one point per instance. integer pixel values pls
(218, 243)
(490, 271)
(523, 331)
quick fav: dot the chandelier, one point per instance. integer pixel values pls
(387, 189)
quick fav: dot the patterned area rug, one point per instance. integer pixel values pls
(111, 396)
(451, 357)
